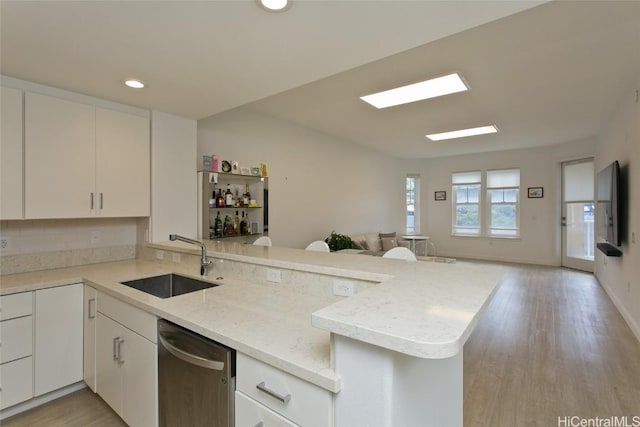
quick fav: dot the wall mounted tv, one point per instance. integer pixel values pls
(608, 210)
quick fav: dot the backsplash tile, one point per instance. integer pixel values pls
(31, 245)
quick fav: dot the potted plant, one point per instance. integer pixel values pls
(338, 242)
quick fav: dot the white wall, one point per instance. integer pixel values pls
(539, 242)
(316, 184)
(174, 200)
(621, 141)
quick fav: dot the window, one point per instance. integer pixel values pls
(503, 190)
(501, 208)
(412, 191)
(466, 203)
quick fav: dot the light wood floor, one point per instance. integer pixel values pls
(550, 344)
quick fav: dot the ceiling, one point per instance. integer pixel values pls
(542, 73)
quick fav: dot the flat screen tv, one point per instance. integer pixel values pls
(608, 205)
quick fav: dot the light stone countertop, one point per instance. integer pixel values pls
(422, 309)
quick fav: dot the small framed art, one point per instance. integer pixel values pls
(535, 192)
(440, 195)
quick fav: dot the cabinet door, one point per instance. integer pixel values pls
(139, 384)
(89, 357)
(16, 382)
(58, 337)
(11, 181)
(59, 157)
(122, 164)
(108, 375)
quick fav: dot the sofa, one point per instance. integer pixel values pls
(377, 243)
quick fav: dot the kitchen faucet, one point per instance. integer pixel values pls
(204, 262)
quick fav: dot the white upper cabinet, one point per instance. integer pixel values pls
(122, 164)
(82, 161)
(59, 158)
(11, 193)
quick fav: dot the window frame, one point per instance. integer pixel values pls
(485, 205)
(416, 203)
(455, 229)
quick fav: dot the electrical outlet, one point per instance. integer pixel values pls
(159, 254)
(273, 275)
(96, 237)
(176, 257)
(5, 243)
(343, 288)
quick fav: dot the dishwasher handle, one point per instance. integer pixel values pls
(215, 365)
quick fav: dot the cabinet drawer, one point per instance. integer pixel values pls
(16, 382)
(300, 401)
(250, 413)
(16, 338)
(139, 321)
(16, 305)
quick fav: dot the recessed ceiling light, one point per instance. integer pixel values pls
(432, 88)
(482, 130)
(275, 5)
(136, 84)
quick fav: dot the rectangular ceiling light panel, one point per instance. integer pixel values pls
(433, 88)
(482, 130)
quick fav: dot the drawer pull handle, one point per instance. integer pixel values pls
(91, 308)
(263, 388)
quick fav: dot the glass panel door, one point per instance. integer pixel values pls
(578, 215)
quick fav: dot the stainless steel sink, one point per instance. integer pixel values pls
(168, 285)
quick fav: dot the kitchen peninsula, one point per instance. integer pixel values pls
(388, 355)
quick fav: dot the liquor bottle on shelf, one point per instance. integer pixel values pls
(247, 196)
(220, 199)
(243, 225)
(212, 200)
(217, 228)
(228, 226)
(236, 223)
(228, 197)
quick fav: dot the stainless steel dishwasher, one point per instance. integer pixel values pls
(196, 379)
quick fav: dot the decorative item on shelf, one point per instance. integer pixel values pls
(440, 195)
(264, 170)
(338, 242)
(255, 171)
(206, 163)
(234, 166)
(226, 166)
(215, 163)
(245, 170)
(535, 192)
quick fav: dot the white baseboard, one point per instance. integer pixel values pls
(40, 400)
(635, 328)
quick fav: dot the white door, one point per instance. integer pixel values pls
(11, 148)
(108, 373)
(139, 371)
(59, 158)
(122, 164)
(578, 210)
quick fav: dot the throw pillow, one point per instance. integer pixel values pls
(361, 244)
(388, 235)
(388, 243)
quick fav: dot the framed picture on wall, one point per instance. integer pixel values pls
(535, 192)
(440, 195)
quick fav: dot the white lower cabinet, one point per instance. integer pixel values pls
(251, 413)
(58, 337)
(16, 348)
(267, 395)
(126, 362)
(90, 311)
